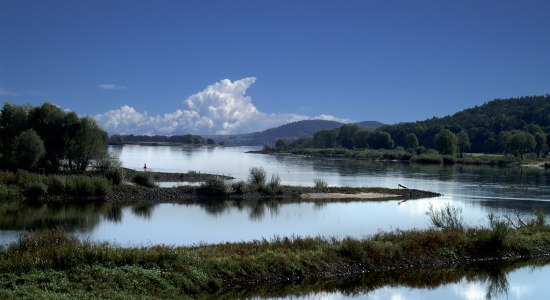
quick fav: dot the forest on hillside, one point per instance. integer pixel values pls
(511, 126)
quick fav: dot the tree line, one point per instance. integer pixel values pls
(47, 138)
(513, 126)
(187, 139)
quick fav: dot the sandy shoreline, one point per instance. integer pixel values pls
(348, 196)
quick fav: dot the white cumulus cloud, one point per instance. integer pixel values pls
(221, 108)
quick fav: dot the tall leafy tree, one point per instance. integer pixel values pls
(521, 142)
(361, 139)
(27, 149)
(463, 142)
(380, 140)
(346, 135)
(412, 141)
(89, 144)
(540, 142)
(445, 142)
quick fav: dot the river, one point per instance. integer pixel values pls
(477, 190)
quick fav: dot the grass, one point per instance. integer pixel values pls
(54, 264)
(23, 185)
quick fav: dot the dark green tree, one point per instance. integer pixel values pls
(28, 149)
(325, 138)
(346, 135)
(521, 142)
(280, 145)
(540, 143)
(412, 141)
(13, 121)
(361, 139)
(89, 144)
(463, 142)
(445, 142)
(380, 140)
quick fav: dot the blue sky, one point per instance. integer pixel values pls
(174, 67)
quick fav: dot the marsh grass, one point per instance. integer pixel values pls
(21, 185)
(52, 262)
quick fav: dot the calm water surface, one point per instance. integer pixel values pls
(477, 190)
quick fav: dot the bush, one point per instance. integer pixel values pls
(319, 184)
(449, 159)
(115, 175)
(143, 179)
(9, 193)
(257, 176)
(213, 187)
(101, 186)
(274, 185)
(56, 186)
(36, 190)
(448, 217)
(499, 231)
(239, 188)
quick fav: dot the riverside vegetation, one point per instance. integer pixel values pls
(54, 264)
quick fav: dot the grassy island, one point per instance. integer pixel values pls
(53, 264)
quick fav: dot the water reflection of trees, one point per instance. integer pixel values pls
(83, 216)
(493, 275)
(256, 208)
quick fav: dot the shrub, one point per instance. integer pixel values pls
(9, 193)
(449, 159)
(257, 176)
(213, 187)
(79, 186)
(499, 230)
(143, 179)
(239, 187)
(56, 186)
(101, 186)
(36, 190)
(115, 175)
(274, 185)
(319, 184)
(448, 217)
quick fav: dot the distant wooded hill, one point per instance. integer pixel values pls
(288, 132)
(483, 124)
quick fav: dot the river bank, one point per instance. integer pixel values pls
(53, 264)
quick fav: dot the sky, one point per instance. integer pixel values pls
(224, 67)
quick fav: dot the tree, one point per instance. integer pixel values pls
(360, 139)
(210, 141)
(89, 144)
(280, 145)
(521, 142)
(325, 138)
(463, 142)
(380, 140)
(13, 120)
(540, 143)
(412, 141)
(28, 149)
(445, 142)
(346, 135)
(48, 121)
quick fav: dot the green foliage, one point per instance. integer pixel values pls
(28, 149)
(274, 185)
(380, 140)
(280, 145)
(239, 187)
(36, 190)
(143, 179)
(115, 175)
(412, 141)
(463, 142)
(448, 217)
(213, 187)
(520, 143)
(257, 176)
(445, 142)
(499, 231)
(319, 184)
